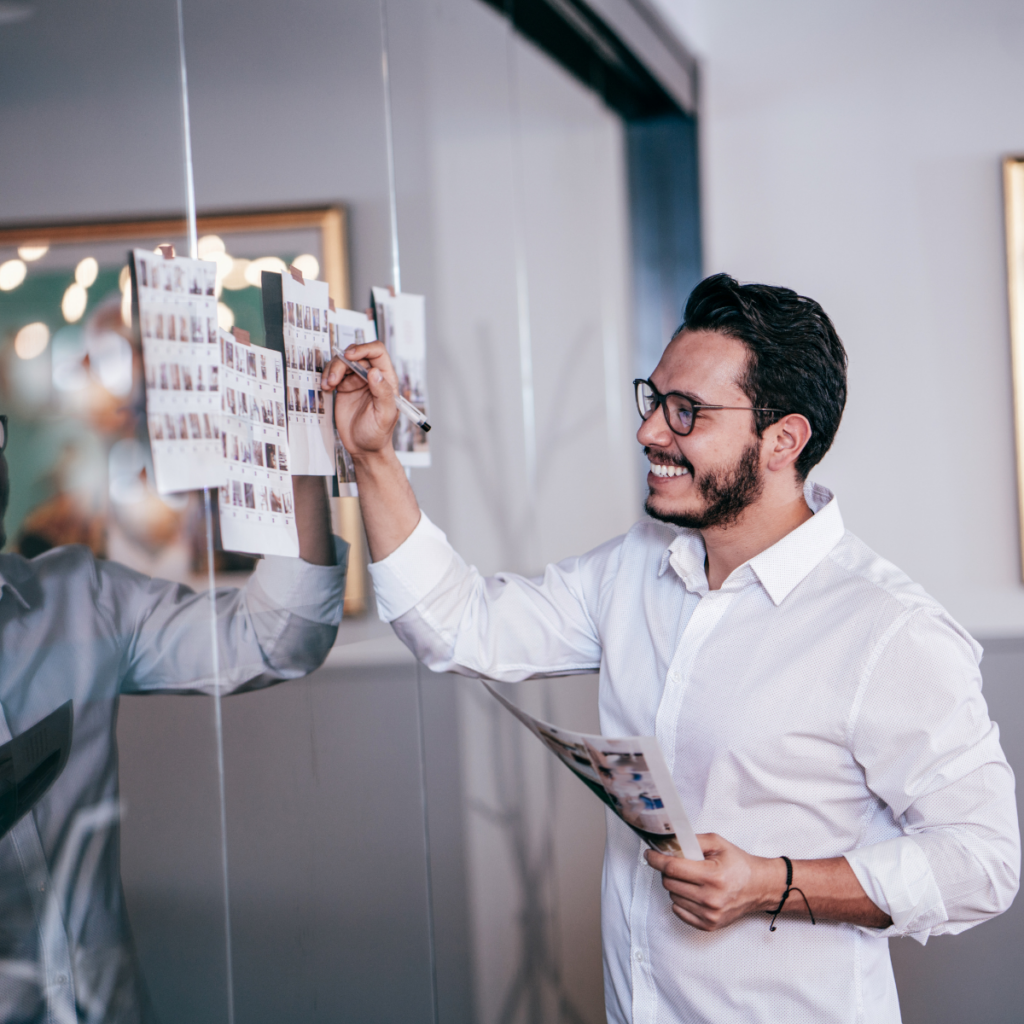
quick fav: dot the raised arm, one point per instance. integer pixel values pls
(279, 626)
(503, 627)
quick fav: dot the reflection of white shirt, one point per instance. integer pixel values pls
(72, 627)
(819, 704)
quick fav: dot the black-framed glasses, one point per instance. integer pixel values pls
(680, 411)
(3, 432)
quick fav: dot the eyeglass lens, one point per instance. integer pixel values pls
(678, 410)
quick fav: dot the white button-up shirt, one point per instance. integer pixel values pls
(72, 627)
(819, 704)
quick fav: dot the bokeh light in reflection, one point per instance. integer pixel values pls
(12, 273)
(225, 316)
(86, 271)
(308, 264)
(235, 280)
(210, 245)
(31, 340)
(30, 253)
(224, 266)
(255, 269)
(74, 302)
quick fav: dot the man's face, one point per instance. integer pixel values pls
(709, 477)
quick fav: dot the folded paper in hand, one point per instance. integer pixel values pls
(629, 774)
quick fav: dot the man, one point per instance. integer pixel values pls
(812, 703)
(73, 627)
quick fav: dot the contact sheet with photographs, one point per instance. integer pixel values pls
(257, 506)
(307, 353)
(177, 320)
(347, 327)
(401, 325)
(223, 413)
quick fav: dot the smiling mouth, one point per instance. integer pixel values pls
(666, 465)
(663, 470)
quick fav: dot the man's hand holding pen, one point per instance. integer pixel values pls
(365, 411)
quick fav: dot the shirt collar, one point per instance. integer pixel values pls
(789, 561)
(779, 568)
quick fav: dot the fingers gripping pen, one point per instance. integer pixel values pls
(404, 405)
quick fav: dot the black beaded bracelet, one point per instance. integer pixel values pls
(790, 887)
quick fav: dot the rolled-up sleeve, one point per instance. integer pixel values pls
(928, 749)
(281, 625)
(403, 579)
(505, 627)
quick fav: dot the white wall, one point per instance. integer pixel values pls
(852, 152)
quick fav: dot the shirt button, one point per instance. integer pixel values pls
(42, 887)
(62, 979)
(638, 956)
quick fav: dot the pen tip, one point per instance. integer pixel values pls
(426, 427)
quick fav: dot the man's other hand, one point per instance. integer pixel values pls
(728, 884)
(365, 412)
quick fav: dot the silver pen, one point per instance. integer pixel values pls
(404, 405)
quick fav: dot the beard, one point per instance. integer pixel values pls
(726, 493)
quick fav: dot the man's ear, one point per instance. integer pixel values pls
(785, 440)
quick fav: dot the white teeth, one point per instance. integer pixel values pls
(658, 469)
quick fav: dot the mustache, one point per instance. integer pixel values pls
(672, 458)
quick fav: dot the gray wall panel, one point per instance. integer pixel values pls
(325, 837)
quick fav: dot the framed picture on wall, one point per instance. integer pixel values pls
(1013, 196)
(70, 371)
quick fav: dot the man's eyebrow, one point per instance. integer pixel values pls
(692, 396)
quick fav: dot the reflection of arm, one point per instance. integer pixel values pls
(313, 520)
(503, 627)
(928, 749)
(280, 625)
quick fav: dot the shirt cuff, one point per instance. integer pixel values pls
(897, 878)
(411, 571)
(314, 592)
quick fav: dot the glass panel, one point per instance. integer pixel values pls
(531, 278)
(323, 774)
(396, 846)
(91, 115)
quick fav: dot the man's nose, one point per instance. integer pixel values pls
(654, 430)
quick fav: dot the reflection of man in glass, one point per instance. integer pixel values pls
(75, 627)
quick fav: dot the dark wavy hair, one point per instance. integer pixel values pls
(797, 362)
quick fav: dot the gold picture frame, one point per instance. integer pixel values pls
(1013, 198)
(329, 222)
